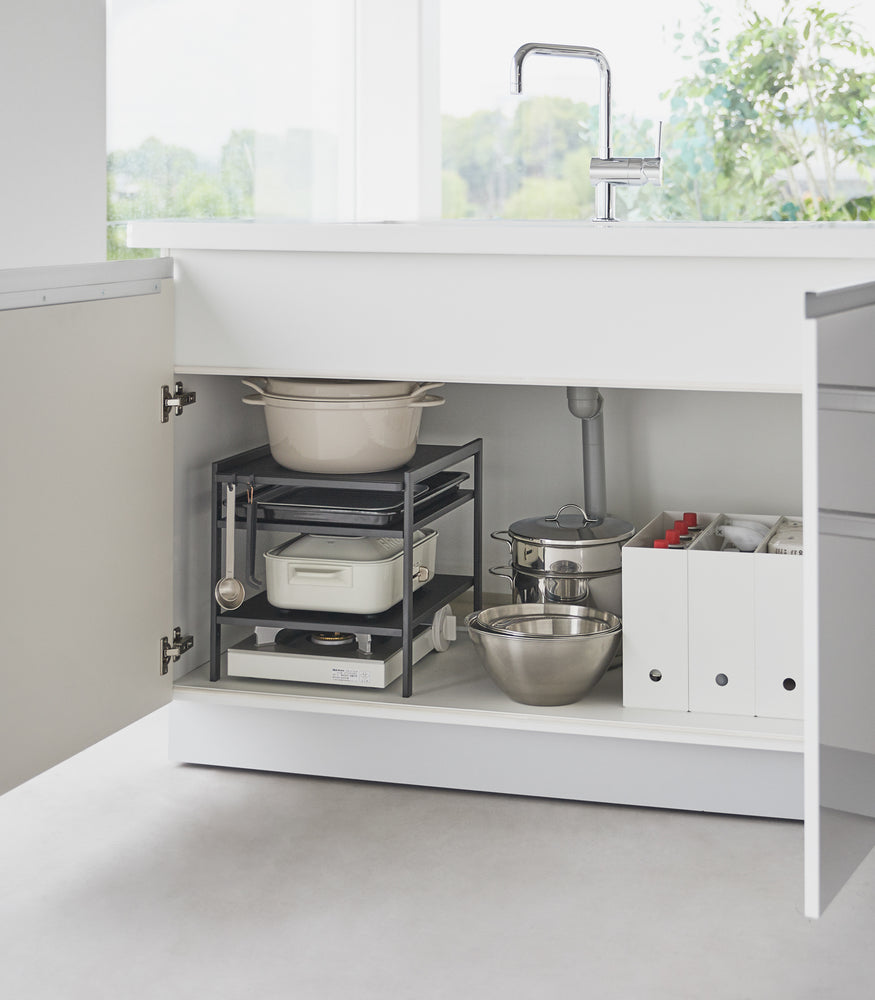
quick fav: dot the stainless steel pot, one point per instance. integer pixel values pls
(594, 590)
(572, 543)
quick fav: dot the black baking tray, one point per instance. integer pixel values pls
(369, 508)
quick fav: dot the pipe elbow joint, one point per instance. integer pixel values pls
(584, 402)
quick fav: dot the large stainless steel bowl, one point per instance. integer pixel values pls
(545, 658)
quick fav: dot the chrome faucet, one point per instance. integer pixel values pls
(605, 171)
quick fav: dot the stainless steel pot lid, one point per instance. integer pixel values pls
(570, 526)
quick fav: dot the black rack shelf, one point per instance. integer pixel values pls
(425, 516)
(426, 601)
(258, 467)
(257, 475)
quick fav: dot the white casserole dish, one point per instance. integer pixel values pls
(355, 575)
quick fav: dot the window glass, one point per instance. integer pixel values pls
(230, 109)
(767, 108)
(336, 110)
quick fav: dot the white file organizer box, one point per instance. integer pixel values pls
(745, 627)
(655, 619)
(711, 631)
(723, 615)
(778, 596)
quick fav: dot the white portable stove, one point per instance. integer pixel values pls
(353, 659)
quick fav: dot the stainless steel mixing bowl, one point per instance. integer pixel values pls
(540, 663)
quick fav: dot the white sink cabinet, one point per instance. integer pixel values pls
(98, 542)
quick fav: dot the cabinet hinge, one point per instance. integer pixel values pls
(173, 648)
(174, 400)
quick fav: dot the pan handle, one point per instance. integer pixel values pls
(254, 400)
(255, 385)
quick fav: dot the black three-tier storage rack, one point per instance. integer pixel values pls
(258, 477)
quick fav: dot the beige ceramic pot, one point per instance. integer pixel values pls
(340, 436)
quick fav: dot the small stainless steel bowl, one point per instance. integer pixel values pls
(549, 668)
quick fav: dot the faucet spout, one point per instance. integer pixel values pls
(606, 170)
(604, 190)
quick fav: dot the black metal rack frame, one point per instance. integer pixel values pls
(256, 469)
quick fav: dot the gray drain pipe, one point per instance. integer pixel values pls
(587, 404)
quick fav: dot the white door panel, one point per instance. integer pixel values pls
(839, 457)
(87, 522)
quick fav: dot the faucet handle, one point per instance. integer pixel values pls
(631, 170)
(651, 166)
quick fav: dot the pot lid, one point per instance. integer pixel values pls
(570, 526)
(316, 388)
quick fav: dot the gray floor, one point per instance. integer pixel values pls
(123, 876)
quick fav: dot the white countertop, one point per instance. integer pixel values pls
(835, 240)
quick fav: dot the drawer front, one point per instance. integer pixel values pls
(846, 454)
(846, 348)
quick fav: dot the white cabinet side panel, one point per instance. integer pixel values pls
(87, 524)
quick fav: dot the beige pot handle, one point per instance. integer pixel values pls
(254, 400)
(428, 401)
(425, 387)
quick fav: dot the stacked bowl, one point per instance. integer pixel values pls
(339, 427)
(545, 654)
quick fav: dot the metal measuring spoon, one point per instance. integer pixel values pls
(230, 593)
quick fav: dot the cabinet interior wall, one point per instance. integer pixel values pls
(665, 449)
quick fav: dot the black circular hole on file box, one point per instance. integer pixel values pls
(656, 675)
(722, 680)
(789, 684)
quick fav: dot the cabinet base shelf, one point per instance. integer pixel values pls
(459, 731)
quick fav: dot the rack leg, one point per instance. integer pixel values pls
(407, 592)
(215, 557)
(478, 528)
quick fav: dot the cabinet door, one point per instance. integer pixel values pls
(87, 529)
(839, 526)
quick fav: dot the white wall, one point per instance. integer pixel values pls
(665, 449)
(53, 165)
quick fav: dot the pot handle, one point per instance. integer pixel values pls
(428, 401)
(254, 400)
(254, 385)
(505, 571)
(425, 387)
(502, 536)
